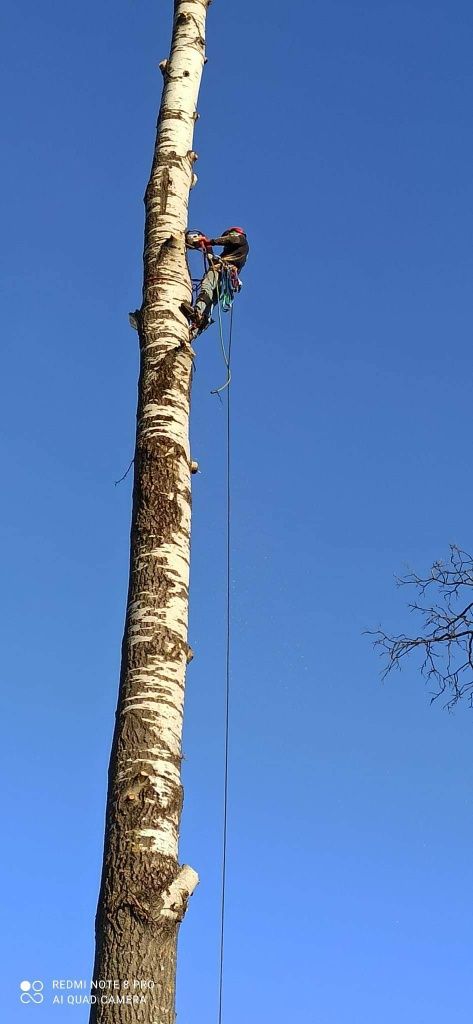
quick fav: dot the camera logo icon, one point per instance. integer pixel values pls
(31, 991)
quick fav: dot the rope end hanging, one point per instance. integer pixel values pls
(223, 387)
(218, 391)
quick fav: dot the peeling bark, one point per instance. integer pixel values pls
(144, 891)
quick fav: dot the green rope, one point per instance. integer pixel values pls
(226, 358)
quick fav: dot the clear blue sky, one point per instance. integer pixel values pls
(339, 134)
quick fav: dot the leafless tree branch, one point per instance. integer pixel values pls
(445, 639)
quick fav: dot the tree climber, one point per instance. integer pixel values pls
(231, 259)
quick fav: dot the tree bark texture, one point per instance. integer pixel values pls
(144, 891)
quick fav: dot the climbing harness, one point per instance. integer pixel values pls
(228, 285)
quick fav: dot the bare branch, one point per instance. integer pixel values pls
(445, 640)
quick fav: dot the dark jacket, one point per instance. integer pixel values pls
(235, 248)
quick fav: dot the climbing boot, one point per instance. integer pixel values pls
(200, 320)
(134, 319)
(189, 311)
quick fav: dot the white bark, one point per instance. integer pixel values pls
(176, 896)
(144, 892)
(157, 690)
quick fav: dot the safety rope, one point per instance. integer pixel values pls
(227, 286)
(226, 356)
(227, 661)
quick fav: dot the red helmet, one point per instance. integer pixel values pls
(241, 231)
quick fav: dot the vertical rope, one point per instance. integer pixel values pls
(226, 358)
(227, 685)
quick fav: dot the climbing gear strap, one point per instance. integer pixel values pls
(228, 285)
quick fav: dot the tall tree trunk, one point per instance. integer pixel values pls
(144, 891)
